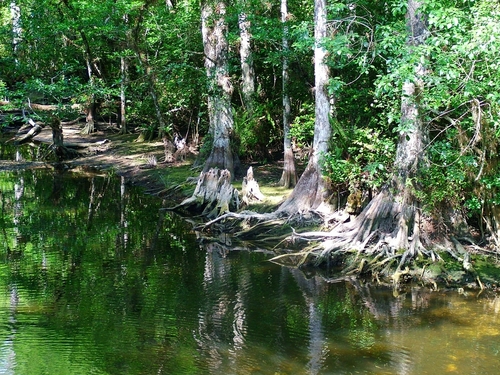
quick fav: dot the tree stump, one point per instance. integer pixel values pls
(214, 195)
(250, 188)
(169, 150)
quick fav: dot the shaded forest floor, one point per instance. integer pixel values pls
(108, 152)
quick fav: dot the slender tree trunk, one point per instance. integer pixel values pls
(162, 126)
(312, 190)
(150, 76)
(220, 88)
(57, 137)
(93, 71)
(90, 109)
(247, 70)
(123, 103)
(289, 175)
(15, 13)
(159, 115)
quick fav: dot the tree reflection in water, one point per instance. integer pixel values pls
(100, 280)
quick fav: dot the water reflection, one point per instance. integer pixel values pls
(96, 279)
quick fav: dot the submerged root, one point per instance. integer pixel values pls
(294, 260)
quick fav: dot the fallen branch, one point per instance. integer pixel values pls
(34, 131)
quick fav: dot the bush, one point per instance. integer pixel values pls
(366, 159)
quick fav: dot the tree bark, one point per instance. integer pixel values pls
(57, 137)
(247, 70)
(220, 88)
(250, 190)
(289, 175)
(15, 13)
(214, 195)
(91, 106)
(312, 191)
(123, 103)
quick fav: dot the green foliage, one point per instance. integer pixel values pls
(368, 56)
(3, 89)
(256, 131)
(302, 127)
(72, 53)
(444, 181)
(365, 159)
(206, 147)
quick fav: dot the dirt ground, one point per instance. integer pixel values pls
(109, 152)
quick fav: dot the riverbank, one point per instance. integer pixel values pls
(107, 152)
(141, 163)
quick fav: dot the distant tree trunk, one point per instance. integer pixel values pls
(162, 126)
(289, 175)
(159, 115)
(123, 103)
(247, 70)
(57, 137)
(91, 105)
(312, 190)
(220, 88)
(15, 13)
(150, 76)
(93, 71)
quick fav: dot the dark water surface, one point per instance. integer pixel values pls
(95, 279)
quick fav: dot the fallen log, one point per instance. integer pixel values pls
(52, 107)
(21, 138)
(85, 144)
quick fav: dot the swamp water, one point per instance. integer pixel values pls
(96, 279)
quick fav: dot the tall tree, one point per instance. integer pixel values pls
(123, 101)
(246, 57)
(289, 175)
(220, 87)
(146, 68)
(15, 12)
(312, 190)
(410, 155)
(392, 220)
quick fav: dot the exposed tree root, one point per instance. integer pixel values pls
(390, 238)
(387, 239)
(213, 196)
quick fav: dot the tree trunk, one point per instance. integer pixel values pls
(90, 109)
(289, 175)
(142, 60)
(123, 105)
(247, 70)
(392, 221)
(220, 88)
(15, 13)
(312, 190)
(411, 145)
(214, 195)
(57, 137)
